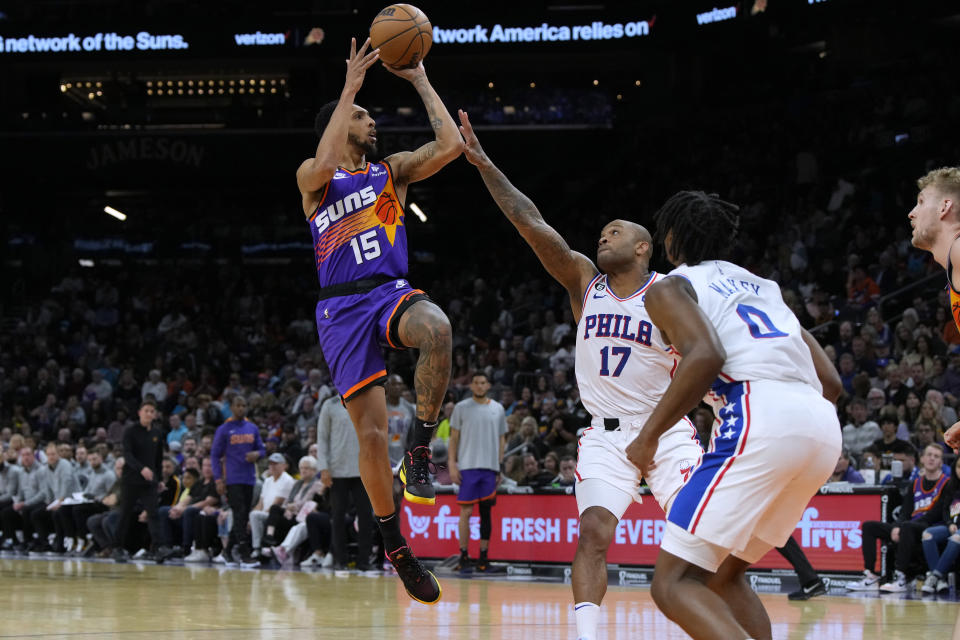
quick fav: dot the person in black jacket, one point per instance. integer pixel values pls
(143, 456)
(941, 563)
(920, 509)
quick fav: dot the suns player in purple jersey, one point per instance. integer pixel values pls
(354, 209)
(623, 366)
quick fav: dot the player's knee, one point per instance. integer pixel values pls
(595, 532)
(926, 536)
(440, 330)
(371, 440)
(955, 538)
(660, 590)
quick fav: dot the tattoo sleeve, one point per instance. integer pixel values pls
(550, 247)
(429, 101)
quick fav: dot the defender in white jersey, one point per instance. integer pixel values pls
(776, 437)
(623, 366)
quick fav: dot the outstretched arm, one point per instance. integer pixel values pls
(411, 166)
(571, 269)
(317, 171)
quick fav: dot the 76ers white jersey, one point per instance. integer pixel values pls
(623, 365)
(759, 332)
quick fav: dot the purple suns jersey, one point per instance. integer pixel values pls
(358, 227)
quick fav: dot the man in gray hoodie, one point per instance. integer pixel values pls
(71, 520)
(9, 488)
(14, 517)
(60, 483)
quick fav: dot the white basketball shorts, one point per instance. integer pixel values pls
(774, 445)
(601, 456)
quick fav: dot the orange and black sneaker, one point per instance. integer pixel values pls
(415, 476)
(483, 564)
(421, 585)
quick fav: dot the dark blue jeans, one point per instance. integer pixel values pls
(932, 539)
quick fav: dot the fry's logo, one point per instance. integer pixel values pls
(831, 534)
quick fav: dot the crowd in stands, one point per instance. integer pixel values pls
(825, 220)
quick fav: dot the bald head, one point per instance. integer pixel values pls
(622, 244)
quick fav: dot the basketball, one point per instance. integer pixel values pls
(403, 34)
(386, 209)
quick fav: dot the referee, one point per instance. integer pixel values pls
(140, 482)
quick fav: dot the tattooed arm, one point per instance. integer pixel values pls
(411, 166)
(571, 269)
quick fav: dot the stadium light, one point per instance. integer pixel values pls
(418, 212)
(116, 214)
(85, 263)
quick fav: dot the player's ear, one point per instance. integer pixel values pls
(948, 207)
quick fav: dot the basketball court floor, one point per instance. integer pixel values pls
(73, 599)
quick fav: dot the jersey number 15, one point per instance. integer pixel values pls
(370, 246)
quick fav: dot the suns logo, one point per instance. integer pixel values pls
(353, 202)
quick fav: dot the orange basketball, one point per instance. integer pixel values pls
(386, 209)
(403, 34)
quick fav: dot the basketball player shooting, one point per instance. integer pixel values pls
(355, 212)
(777, 437)
(623, 366)
(935, 221)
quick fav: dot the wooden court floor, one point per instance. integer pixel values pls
(55, 599)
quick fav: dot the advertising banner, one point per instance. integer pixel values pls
(543, 528)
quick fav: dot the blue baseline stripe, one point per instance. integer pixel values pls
(685, 505)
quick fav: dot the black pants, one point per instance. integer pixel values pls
(908, 546)
(798, 560)
(205, 533)
(132, 496)
(43, 524)
(12, 521)
(81, 512)
(102, 526)
(340, 494)
(318, 530)
(239, 497)
(281, 525)
(31, 518)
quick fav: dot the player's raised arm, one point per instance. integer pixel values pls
(571, 269)
(411, 166)
(317, 171)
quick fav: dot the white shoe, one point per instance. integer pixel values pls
(222, 558)
(327, 561)
(198, 555)
(897, 585)
(942, 585)
(139, 554)
(313, 562)
(930, 583)
(870, 582)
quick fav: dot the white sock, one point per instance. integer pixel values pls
(587, 615)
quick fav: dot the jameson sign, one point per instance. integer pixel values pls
(103, 41)
(544, 32)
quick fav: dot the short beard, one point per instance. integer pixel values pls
(366, 146)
